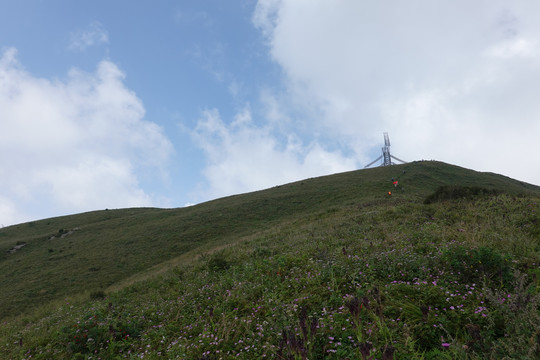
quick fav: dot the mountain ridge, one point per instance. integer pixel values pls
(349, 249)
(168, 232)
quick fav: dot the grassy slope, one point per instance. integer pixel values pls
(115, 245)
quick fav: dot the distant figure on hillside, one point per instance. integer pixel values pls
(395, 183)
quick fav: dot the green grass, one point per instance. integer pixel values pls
(330, 267)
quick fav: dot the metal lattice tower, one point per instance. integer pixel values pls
(386, 156)
(387, 160)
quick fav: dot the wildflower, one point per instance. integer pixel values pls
(445, 345)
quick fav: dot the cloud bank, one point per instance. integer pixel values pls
(74, 144)
(454, 81)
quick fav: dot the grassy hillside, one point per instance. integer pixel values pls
(330, 267)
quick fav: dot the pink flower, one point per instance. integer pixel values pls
(445, 345)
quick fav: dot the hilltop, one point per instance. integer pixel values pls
(328, 267)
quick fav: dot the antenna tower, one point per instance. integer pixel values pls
(386, 156)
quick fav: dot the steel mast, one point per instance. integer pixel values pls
(386, 156)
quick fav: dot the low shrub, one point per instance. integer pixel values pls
(479, 265)
(218, 263)
(97, 295)
(95, 332)
(455, 192)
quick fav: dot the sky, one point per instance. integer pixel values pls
(132, 103)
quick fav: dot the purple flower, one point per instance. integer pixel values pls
(445, 345)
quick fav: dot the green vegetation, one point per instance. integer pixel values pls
(452, 192)
(325, 268)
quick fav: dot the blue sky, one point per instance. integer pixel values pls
(111, 104)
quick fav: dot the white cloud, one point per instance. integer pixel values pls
(266, 15)
(96, 34)
(8, 212)
(455, 81)
(245, 157)
(514, 48)
(72, 145)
